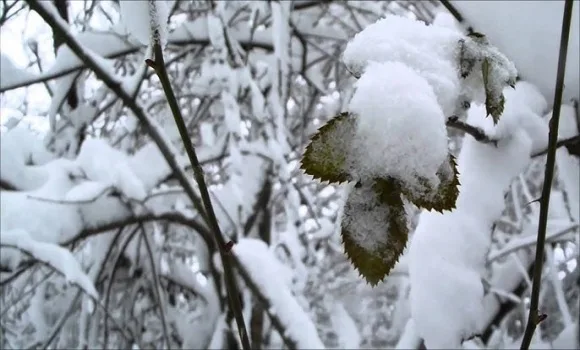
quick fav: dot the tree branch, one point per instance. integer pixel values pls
(477, 133)
(232, 290)
(48, 13)
(534, 317)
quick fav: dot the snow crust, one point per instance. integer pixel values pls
(448, 251)
(265, 271)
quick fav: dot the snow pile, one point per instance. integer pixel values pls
(429, 50)
(524, 107)
(143, 17)
(265, 270)
(44, 205)
(18, 148)
(109, 166)
(401, 127)
(448, 251)
(59, 258)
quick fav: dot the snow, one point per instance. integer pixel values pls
(9, 73)
(143, 17)
(18, 147)
(528, 32)
(448, 252)
(264, 270)
(429, 50)
(400, 126)
(18, 206)
(485, 70)
(364, 218)
(524, 107)
(86, 191)
(345, 327)
(103, 163)
(569, 165)
(59, 258)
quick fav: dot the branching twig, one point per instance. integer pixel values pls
(232, 290)
(534, 315)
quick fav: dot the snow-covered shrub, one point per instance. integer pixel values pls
(391, 143)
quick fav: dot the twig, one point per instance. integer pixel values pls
(454, 12)
(527, 241)
(232, 290)
(157, 283)
(477, 133)
(534, 315)
(568, 143)
(110, 285)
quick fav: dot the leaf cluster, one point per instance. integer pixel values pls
(326, 158)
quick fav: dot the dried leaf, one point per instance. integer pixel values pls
(494, 100)
(374, 265)
(444, 197)
(325, 155)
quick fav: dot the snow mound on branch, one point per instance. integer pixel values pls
(109, 166)
(400, 125)
(430, 50)
(59, 258)
(265, 271)
(448, 252)
(40, 212)
(143, 17)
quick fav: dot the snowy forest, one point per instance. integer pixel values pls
(299, 174)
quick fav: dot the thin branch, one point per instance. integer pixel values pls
(110, 285)
(477, 133)
(527, 241)
(572, 144)
(157, 283)
(452, 10)
(534, 317)
(232, 290)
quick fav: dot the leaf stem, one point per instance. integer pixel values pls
(158, 64)
(534, 317)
